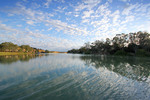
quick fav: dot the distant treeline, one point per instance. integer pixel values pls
(10, 47)
(132, 44)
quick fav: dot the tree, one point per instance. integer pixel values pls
(8, 47)
(120, 44)
(132, 48)
(144, 40)
(26, 48)
(98, 47)
(46, 51)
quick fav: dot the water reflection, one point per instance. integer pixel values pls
(130, 67)
(8, 59)
(75, 77)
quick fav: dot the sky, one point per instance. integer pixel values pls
(61, 25)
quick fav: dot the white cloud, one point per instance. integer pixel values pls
(33, 16)
(47, 3)
(103, 10)
(60, 9)
(19, 25)
(60, 1)
(116, 16)
(6, 28)
(30, 22)
(68, 13)
(66, 28)
(103, 21)
(35, 39)
(142, 8)
(87, 4)
(128, 10)
(85, 21)
(35, 5)
(76, 15)
(128, 19)
(50, 29)
(110, 1)
(124, 0)
(87, 14)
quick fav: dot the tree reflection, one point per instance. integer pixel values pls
(130, 67)
(8, 59)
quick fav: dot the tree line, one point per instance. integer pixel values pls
(132, 44)
(11, 47)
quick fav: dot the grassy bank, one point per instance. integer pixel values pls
(12, 53)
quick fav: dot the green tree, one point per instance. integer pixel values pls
(26, 48)
(144, 40)
(8, 47)
(46, 51)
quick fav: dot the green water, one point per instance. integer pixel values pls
(74, 77)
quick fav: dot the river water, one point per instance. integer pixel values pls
(74, 77)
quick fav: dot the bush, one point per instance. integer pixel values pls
(121, 53)
(142, 52)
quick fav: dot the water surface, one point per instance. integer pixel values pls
(74, 77)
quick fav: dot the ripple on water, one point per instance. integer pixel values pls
(77, 79)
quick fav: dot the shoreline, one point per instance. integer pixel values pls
(21, 53)
(13, 53)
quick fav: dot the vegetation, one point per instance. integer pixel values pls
(132, 44)
(8, 48)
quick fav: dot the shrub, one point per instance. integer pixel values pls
(121, 53)
(142, 52)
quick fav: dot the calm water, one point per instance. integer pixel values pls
(74, 77)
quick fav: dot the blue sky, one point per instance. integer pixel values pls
(61, 25)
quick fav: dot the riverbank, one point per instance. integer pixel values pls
(21, 53)
(12, 53)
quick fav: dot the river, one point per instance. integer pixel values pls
(74, 77)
